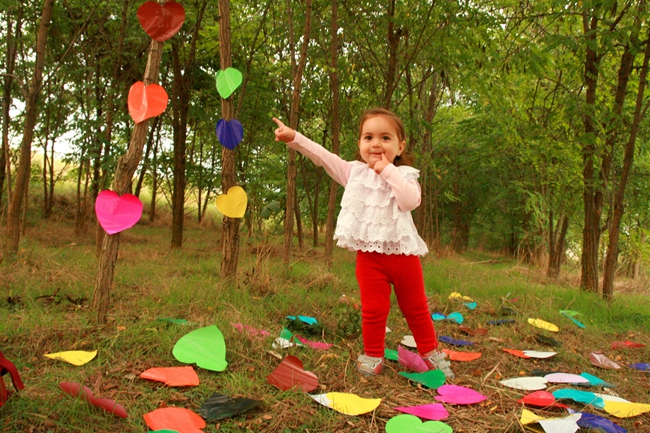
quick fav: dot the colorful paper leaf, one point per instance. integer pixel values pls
(74, 357)
(347, 404)
(176, 418)
(230, 133)
(117, 213)
(233, 203)
(527, 383)
(412, 424)
(431, 379)
(290, 374)
(146, 102)
(410, 360)
(204, 347)
(161, 22)
(220, 406)
(172, 376)
(542, 324)
(462, 356)
(600, 360)
(228, 81)
(454, 394)
(435, 411)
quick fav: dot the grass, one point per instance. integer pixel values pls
(43, 310)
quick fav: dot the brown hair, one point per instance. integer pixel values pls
(406, 158)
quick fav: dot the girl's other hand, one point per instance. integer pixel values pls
(283, 132)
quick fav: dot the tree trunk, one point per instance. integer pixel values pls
(611, 258)
(126, 166)
(393, 38)
(154, 180)
(230, 232)
(297, 70)
(12, 237)
(556, 245)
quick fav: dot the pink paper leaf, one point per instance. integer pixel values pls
(411, 360)
(455, 394)
(434, 411)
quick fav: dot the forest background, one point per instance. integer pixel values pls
(527, 119)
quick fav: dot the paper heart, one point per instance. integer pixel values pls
(625, 409)
(219, 406)
(233, 203)
(146, 102)
(455, 394)
(228, 81)
(409, 341)
(434, 411)
(413, 424)
(74, 357)
(204, 347)
(172, 376)
(177, 418)
(77, 390)
(230, 133)
(538, 398)
(348, 404)
(290, 374)
(161, 22)
(115, 213)
(411, 360)
(565, 378)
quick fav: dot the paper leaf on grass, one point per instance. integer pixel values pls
(517, 353)
(233, 203)
(77, 390)
(437, 317)
(173, 321)
(527, 383)
(462, 356)
(230, 133)
(455, 296)
(539, 355)
(434, 411)
(454, 342)
(176, 418)
(642, 366)
(454, 394)
(161, 22)
(600, 360)
(431, 379)
(413, 424)
(228, 81)
(585, 397)
(543, 339)
(291, 374)
(551, 425)
(145, 102)
(314, 344)
(470, 305)
(566, 378)
(538, 399)
(410, 360)
(165, 430)
(607, 397)
(391, 355)
(470, 331)
(542, 324)
(172, 376)
(409, 341)
(595, 381)
(625, 410)
(456, 317)
(204, 347)
(347, 404)
(500, 322)
(626, 345)
(220, 406)
(596, 422)
(117, 213)
(569, 314)
(74, 357)
(252, 332)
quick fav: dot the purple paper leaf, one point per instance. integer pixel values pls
(591, 421)
(641, 366)
(411, 360)
(230, 133)
(449, 340)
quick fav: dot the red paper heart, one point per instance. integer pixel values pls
(116, 213)
(172, 376)
(174, 418)
(291, 374)
(161, 22)
(146, 101)
(75, 390)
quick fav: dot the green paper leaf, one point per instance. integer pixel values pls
(228, 81)
(391, 354)
(204, 347)
(413, 424)
(431, 379)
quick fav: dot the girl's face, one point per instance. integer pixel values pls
(379, 137)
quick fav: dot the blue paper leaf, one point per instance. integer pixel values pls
(595, 381)
(591, 421)
(456, 317)
(438, 316)
(453, 342)
(230, 133)
(470, 305)
(580, 397)
(641, 366)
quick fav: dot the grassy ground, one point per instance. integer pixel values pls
(45, 308)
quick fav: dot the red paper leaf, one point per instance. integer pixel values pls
(291, 374)
(172, 376)
(146, 102)
(470, 331)
(462, 356)
(516, 352)
(626, 345)
(174, 418)
(540, 399)
(76, 390)
(161, 22)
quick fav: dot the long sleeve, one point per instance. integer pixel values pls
(334, 165)
(406, 191)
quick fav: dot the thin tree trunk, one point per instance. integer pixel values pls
(154, 180)
(556, 245)
(393, 43)
(157, 122)
(126, 166)
(619, 206)
(12, 237)
(297, 70)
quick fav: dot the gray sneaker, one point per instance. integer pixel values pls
(369, 365)
(436, 360)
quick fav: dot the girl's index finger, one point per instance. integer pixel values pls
(278, 122)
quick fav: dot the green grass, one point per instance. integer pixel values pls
(153, 281)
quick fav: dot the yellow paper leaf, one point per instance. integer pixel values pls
(543, 325)
(351, 404)
(625, 410)
(74, 357)
(528, 417)
(457, 295)
(233, 203)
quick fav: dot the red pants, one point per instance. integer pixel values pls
(375, 274)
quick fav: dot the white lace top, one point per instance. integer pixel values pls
(371, 219)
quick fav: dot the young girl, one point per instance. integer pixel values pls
(375, 221)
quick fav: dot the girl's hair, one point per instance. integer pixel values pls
(406, 158)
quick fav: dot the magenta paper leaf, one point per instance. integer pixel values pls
(455, 394)
(411, 360)
(117, 213)
(434, 411)
(314, 344)
(252, 332)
